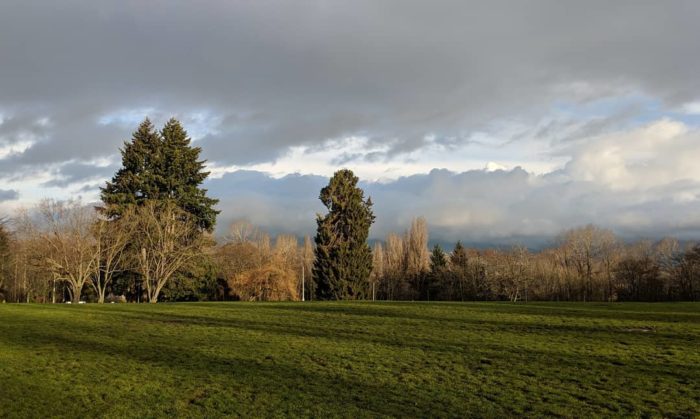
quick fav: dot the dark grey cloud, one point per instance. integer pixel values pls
(8, 195)
(254, 78)
(279, 73)
(71, 173)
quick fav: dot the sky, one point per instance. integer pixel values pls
(499, 122)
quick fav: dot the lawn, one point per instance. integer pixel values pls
(350, 360)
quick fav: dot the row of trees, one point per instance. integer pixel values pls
(153, 223)
(66, 251)
(150, 240)
(62, 248)
(586, 264)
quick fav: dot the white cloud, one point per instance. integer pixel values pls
(692, 108)
(654, 155)
(18, 147)
(640, 182)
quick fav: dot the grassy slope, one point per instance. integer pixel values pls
(350, 359)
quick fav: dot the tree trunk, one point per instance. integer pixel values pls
(153, 298)
(76, 293)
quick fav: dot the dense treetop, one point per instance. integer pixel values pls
(161, 166)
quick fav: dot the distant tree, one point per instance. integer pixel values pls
(242, 231)
(438, 259)
(417, 258)
(416, 247)
(668, 256)
(516, 276)
(459, 267)
(438, 268)
(689, 275)
(4, 257)
(161, 166)
(587, 251)
(377, 268)
(343, 257)
(639, 280)
(393, 275)
(307, 258)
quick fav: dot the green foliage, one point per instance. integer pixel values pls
(161, 166)
(437, 277)
(438, 260)
(343, 258)
(197, 283)
(458, 259)
(128, 284)
(350, 359)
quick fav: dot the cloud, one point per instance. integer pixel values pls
(77, 172)
(641, 183)
(595, 102)
(8, 195)
(275, 75)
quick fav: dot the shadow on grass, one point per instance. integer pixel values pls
(454, 311)
(316, 386)
(448, 339)
(265, 377)
(405, 320)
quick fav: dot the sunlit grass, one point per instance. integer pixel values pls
(350, 359)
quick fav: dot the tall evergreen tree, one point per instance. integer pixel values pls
(438, 268)
(459, 263)
(343, 258)
(161, 166)
(458, 258)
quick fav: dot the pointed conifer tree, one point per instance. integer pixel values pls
(183, 173)
(438, 260)
(343, 258)
(438, 268)
(459, 263)
(160, 166)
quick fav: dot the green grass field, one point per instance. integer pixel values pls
(350, 360)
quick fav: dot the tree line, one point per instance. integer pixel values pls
(150, 239)
(585, 264)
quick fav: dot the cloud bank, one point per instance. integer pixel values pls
(596, 103)
(643, 183)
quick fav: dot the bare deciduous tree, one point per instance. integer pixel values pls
(5, 256)
(167, 240)
(112, 239)
(307, 258)
(242, 231)
(393, 266)
(377, 268)
(584, 249)
(72, 249)
(416, 252)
